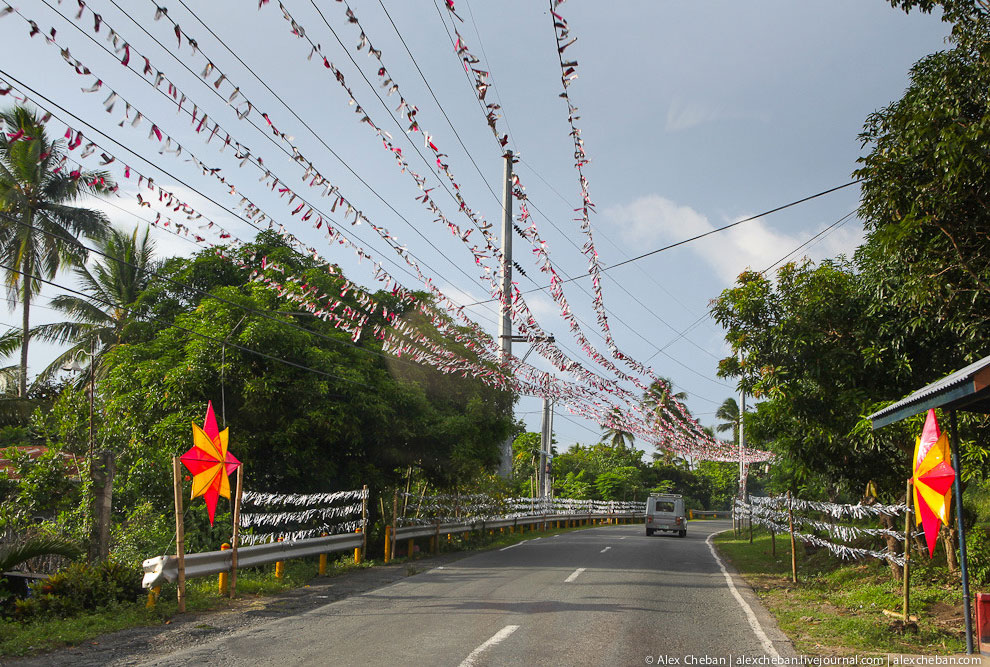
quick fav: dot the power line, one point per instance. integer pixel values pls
(841, 221)
(710, 232)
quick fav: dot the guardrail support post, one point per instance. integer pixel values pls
(388, 544)
(279, 566)
(180, 536)
(358, 552)
(410, 547)
(222, 583)
(153, 597)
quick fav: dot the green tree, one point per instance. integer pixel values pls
(361, 418)
(616, 435)
(728, 412)
(39, 228)
(810, 352)
(115, 288)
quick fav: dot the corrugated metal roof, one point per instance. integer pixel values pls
(951, 388)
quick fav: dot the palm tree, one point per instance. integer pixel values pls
(659, 396)
(114, 287)
(39, 229)
(615, 435)
(728, 412)
(15, 553)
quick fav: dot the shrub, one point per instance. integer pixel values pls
(978, 555)
(81, 587)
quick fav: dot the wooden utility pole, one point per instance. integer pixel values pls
(237, 526)
(790, 527)
(907, 552)
(180, 534)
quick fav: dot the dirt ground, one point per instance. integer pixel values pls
(132, 646)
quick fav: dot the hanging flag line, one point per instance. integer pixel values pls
(203, 124)
(518, 307)
(182, 230)
(174, 91)
(556, 284)
(773, 516)
(392, 87)
(252, 210)
(174, 95)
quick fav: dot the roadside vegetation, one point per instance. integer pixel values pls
(836, 607)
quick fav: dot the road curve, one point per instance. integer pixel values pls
(606, 595)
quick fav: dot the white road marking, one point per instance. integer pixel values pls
(622, 538)
(605, 549)
(574, 575)
(497, 638)
(750, 616)
(513, 545)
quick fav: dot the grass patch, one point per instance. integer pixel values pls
(836, 606)
(202, 594)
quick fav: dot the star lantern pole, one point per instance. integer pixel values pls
(932, 480)
(210, 463)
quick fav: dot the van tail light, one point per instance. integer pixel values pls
(679, 519)
(649, 519)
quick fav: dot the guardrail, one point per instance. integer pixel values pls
(166, 568)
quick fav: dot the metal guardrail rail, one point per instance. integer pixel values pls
(166, 568)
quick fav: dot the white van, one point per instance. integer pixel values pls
(666, 512)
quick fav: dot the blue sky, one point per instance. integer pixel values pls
(694, 114)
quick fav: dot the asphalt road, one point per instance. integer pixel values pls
(602, 596)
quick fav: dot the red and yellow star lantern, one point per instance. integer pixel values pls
(933, 477)
(209, 462)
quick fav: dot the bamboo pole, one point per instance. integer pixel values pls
(790, 527)
(180, 534)
(395, 509)
(907, 553)
(364, 521)
(237, 525)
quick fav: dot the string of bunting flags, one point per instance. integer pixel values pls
(680, 437)
(774, 513)
(313, 515)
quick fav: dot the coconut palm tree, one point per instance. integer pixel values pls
(114, 287)
(615, 435)
(728, 412)
(660, 395)
(39, 226)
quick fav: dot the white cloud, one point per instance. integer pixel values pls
(683, 115)
(653, 220)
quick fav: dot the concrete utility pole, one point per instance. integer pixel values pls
(505, 324)
(546, 438)
(742, 439)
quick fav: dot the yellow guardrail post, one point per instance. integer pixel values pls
(279, 567)
(388, 544)
(222, 583)
(410, 547)
(153, 597)
(322, 571)
(358, 555)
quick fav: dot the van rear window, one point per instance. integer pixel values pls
(664, 506)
